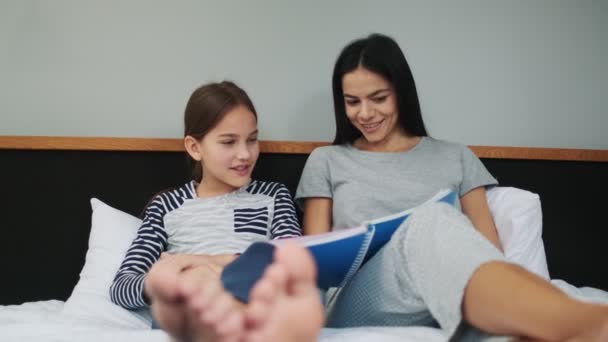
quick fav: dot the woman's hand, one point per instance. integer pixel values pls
(475, 206)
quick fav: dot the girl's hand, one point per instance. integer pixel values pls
(171, 266)
(195, 260)
(213, 264)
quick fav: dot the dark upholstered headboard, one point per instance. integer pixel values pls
(48, 183)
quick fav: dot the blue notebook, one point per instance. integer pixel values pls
(339, 254)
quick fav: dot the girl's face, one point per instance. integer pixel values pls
(371, 105)
(228, 152)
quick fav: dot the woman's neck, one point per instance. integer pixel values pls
(396, 143)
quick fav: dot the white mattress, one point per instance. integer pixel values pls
(43, 321)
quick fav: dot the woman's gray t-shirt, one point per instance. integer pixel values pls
(366, 185)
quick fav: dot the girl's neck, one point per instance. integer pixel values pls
(206, 190)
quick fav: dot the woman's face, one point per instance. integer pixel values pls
(371, 105)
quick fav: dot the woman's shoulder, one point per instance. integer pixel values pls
(324, 157)
(439, 145)
(328, 151)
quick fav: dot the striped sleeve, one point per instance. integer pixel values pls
(285, 221)
(127, 290)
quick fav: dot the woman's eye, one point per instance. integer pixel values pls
(379, 99)
(352, 102)
(227, 142)
(252, 140)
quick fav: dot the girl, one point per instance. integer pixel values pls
(221, 211)
(440, 266)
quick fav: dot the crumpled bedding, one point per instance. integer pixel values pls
(44, 321)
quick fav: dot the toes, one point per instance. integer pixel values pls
(160, 285)
(171, 317)
(270, 285)
(190, 286)
(297, 261)
(218, 308)
(167, 316)
(257, 313)
(214, 314)
(257, 336)
(284, 304)
(199, 301)
(231, 324)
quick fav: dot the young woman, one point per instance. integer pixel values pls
(444, 264)
(206, 222)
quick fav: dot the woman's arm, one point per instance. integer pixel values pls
(317, 215)
(475, 206)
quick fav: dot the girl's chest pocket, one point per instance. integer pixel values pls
(251, 220)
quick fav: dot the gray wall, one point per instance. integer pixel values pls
(517, 73)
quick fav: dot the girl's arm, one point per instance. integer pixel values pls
(146, 256)
(475, 206)
(147, 250)
(127, 289)
(285, 221)
(317, 215)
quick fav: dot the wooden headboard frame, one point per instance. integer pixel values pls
(68, 171)
(267, 146)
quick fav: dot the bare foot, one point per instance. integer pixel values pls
(597, 327)
(213, 314)
(189, 303)
(167, 305)
(592, 326)
(285, 305)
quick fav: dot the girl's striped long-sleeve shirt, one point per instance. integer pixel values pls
(177, 221)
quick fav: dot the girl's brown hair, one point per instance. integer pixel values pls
(206, 107)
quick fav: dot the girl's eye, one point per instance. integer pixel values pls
(379, 99)
(227, 142)
(252, 140)
(352, 102)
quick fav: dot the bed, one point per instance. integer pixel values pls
(54, 238)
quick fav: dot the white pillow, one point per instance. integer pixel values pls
(112, 232)
(519, 220)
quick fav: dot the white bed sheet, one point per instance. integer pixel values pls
(29, 312)
(43, 321)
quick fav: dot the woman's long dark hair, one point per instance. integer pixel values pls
(379, 54)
